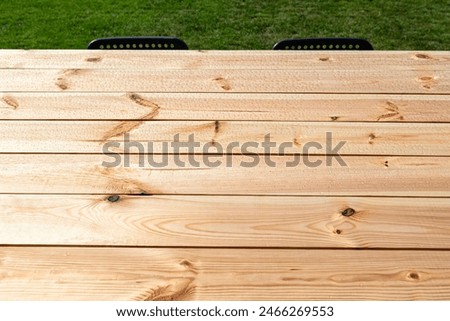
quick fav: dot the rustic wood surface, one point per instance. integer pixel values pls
(37, 273)
(87, 174)
(91, 136)
(225, 106)
(212, 60)
(228, 80)
(72, 228)
(223, 221)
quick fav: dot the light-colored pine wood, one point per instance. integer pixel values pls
(381, 80)
(363, 175)
(226, 106)
(240, 221)
(229, 59)
(33, 273)
(214, 136)
(198, 233)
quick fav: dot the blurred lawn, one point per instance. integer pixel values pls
(232, 24)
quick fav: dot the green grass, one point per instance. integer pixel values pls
(232, 24)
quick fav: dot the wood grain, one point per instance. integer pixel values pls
(229, 59)
(215, 136)
(375, 227)
(33, 273)
(227, 80)
(226, 106)
(363, 175)
(244, 221)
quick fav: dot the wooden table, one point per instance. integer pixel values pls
(73, 229)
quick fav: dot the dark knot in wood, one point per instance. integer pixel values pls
(113, 198)
(348, 212)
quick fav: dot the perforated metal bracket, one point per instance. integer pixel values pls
(323, 44)
(138, 43)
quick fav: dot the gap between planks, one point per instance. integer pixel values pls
(81, 246)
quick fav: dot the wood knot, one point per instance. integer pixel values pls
(176, 290)
(223, 83)
(187, 263)
(62, 84)
(338, 231)
(143, 102)
(348, 212)
(334, 118)
(324, 59)
(216, 127)
(134, 97)
(428, 81)
(414, 276)
(11, 102)
(423, 56)
(392, 112)
(113, 198)
(93, 59)
(72, 71)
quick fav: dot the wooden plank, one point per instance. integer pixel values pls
(228, 80)
(229, 106)
(214, 136)
(34, 273)
(223, 221)
(225, 174)
(229, 59)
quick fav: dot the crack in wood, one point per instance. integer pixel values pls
(371, 277)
